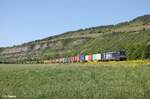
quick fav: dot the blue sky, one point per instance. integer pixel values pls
(26, 20)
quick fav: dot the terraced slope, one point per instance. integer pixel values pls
(132, 36)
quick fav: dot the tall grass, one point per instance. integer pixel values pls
(75, 81)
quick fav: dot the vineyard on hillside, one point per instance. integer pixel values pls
(133, 37)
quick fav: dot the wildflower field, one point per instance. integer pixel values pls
(104, 80)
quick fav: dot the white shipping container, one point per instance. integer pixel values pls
(86, 57)
(63, 60)
(57, 60)
(98, 56)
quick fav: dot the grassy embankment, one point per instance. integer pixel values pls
(107, 80)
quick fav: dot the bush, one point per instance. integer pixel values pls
(147, 52)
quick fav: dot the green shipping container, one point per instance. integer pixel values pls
(94, 57)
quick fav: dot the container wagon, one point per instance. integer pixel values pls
(82, 58)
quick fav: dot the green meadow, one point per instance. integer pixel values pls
(112, 80)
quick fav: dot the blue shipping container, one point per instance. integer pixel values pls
(82, 58)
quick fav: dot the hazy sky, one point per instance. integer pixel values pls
(26, 20)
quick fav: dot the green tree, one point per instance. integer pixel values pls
(147, 52)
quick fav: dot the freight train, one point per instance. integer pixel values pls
(107, 56)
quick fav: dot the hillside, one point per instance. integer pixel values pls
(132, 37)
